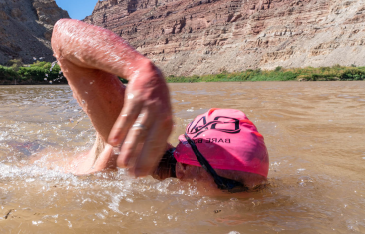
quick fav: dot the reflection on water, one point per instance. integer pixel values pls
(314, 133)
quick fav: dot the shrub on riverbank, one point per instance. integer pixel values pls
(7, 73)
(36, 73)
(279, 74)
(41, 72)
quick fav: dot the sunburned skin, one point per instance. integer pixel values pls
(91, 58)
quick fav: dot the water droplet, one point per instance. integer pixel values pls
(50, 82)
(53, 64)
(305, 180)
(47, 75)
(45, 78)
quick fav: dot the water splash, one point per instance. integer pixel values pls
(53, 64)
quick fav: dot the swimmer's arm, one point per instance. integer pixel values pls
(90, 46)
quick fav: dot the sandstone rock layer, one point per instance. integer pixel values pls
(26, 29)
(186, 37)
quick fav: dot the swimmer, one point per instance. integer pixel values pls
(221, 147)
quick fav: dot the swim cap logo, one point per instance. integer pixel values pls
(220, 123)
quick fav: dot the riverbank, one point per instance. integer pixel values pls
(279, 74)
(47, 73)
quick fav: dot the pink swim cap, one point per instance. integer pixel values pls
(228, 140)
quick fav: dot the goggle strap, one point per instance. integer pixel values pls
(222, 183)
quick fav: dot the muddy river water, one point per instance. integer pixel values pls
(315, 134)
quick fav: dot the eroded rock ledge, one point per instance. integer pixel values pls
(26, 29)
(186, 37)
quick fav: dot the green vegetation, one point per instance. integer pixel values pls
(336, 72)
(40, 73)
(36, 73)
(15, 72)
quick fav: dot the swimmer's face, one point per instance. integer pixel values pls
(190, 173)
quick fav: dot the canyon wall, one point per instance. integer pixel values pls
(26, 29)
(186, 37)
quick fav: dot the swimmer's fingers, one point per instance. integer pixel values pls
(153, 148)
(125, 121)
(148, 86)
(137, 136)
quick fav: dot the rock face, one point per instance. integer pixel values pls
(186, 37)
(26, 29)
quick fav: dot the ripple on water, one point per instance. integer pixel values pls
(190, 113)
(184, 103)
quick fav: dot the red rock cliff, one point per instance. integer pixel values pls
(26, 29)
(186, 37)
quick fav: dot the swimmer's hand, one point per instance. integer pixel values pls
(145, 122)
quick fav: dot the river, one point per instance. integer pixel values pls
(314, 132)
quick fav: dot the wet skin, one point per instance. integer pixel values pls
(91, 59)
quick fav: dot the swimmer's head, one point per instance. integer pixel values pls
(229, 142)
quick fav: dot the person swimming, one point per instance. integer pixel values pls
(220, 147)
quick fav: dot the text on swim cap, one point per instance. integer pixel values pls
(220, 123)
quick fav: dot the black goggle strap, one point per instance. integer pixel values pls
(172, 161)
(222, 183)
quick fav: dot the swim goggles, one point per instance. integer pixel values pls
(222, 183)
